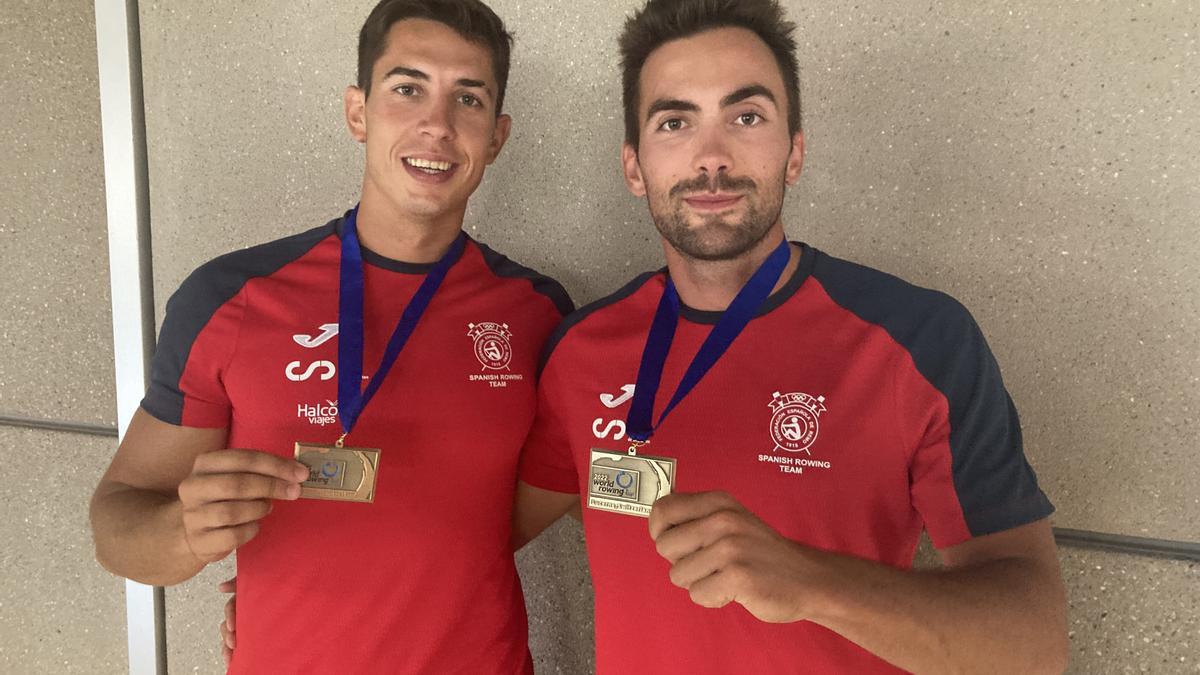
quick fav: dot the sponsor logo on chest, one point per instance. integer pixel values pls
(318, 414)
(321, 412)
(612, 428)
(328, 331)
(302, 370)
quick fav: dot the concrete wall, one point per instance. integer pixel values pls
(59, 612)
(1036, 160)
(57, 336)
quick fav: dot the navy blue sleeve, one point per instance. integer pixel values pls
(201, 326)
(995, 486)
(969, 476)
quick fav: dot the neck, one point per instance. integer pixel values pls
(392, 233)
(711, 285)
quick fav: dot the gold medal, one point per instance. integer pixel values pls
(628, 483)
(338, 473)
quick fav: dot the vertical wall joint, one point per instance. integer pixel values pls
(127, 198)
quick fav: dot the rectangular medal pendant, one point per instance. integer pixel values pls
(342, 474)
(628, 484)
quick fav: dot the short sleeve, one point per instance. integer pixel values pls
(195, 346)
(546, 460)
(968, 475)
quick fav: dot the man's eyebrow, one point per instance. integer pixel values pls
(749, 91)
(671, 104)
(475, 84)
(408, 72)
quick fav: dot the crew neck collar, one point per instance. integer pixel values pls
(802, 272)
(378, 260)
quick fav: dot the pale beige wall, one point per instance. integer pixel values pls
(59, 612)
(56, 340)
(1036, 160)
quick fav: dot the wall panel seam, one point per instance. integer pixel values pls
(58, 425)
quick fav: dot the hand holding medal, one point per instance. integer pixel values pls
(226, 495)
(720, 553)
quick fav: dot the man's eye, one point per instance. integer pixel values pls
(673, 124)
(471, 100)
(749, 119)
(405, 90)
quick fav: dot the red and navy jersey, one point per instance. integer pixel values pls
(853, 412)
(423, 579)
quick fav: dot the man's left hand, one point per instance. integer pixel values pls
(720, 552)
(228, 635)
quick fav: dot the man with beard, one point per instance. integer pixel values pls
(388, 352)
(815, 415)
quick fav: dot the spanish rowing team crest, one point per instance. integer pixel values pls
(795, 424)
(492, 347)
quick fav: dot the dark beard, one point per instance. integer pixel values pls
(716, 237)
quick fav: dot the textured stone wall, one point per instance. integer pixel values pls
(1036, 160)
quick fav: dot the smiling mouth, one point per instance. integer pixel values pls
(430, 172)
(429, 166)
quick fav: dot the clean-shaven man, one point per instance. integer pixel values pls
(345, 407)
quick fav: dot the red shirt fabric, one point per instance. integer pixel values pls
(853, 412)
(423, 579)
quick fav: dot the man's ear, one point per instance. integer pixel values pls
(795, 159)
(632, 170)
(499, 137)
(355, 100)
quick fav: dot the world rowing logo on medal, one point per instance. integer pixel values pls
(795, 425)
(492, 347)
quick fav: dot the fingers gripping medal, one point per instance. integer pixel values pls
(628, 482)
(346, 473)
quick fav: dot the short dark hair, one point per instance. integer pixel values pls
(662, 21)
(472, 19)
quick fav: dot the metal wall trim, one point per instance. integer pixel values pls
(55, 425)
(127, 197)
(1123, 543)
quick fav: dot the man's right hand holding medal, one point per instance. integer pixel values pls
(228, 492)
(175, 499)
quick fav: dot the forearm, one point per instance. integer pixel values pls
(1002, 616)
(139, 535)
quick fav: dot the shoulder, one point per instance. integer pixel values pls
(503, 267)
(216, 283)
(945, 343)
(899, 307)
(221, 278)
(597, 311)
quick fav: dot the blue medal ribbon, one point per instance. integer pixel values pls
(352, 398)
(662, 333)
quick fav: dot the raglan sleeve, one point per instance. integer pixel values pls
(195, 346)
(968, 474)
